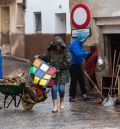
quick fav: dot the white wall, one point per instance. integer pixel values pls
(48, 8)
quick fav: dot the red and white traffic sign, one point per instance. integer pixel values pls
(80, 16)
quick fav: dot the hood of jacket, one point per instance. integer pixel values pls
(82, 36)
(56, 40)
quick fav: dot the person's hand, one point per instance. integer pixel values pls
(60, 68)
(88, 52)
(57, 70)
(36, 56)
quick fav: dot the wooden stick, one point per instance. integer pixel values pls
(116, 78)
(112, 73)
(93, 84)
(117, 62)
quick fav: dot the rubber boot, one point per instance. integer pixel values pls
(61, 103)
(54, 110)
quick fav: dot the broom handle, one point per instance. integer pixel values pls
(116, 78)
(112, 73)
(117, 66)
(117, 62)
(93, 84)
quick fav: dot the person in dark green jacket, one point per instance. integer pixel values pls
(59, 57)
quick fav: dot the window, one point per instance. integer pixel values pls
(60, 23)
(38, 22)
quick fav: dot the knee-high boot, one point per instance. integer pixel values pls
(61, 103)
(54, 110)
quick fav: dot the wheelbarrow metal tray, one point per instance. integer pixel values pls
(11, 89)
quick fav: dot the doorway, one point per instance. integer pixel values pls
(111, 43)
(5, 25)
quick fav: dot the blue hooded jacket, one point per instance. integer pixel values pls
(76, 48)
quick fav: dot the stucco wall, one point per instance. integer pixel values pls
(12, 5)
(101, 11)
(100, 8)
(48, 9)
(13, 42)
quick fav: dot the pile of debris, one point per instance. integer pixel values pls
(15, 79)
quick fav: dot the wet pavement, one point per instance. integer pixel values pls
(78, 115)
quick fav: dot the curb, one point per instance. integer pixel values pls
(15, 58)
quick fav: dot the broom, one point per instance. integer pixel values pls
(116, 79)
(94, 85)
(110, 100)
(117, 66)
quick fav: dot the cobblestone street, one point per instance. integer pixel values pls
(78, 115)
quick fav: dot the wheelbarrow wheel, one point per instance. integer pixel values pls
(27, 102)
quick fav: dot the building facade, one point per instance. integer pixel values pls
(45, 19)
(12, 27)
(105, 28)
(28, 26)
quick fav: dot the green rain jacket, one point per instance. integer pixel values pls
(60, 60)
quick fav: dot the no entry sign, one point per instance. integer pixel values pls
(80, 16)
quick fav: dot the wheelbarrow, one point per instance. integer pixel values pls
(32, 95)
(28, 95)
(12, 91)
(39, 80)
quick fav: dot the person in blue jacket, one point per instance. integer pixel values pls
(76, 72)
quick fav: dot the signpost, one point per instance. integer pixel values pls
(80, 16)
